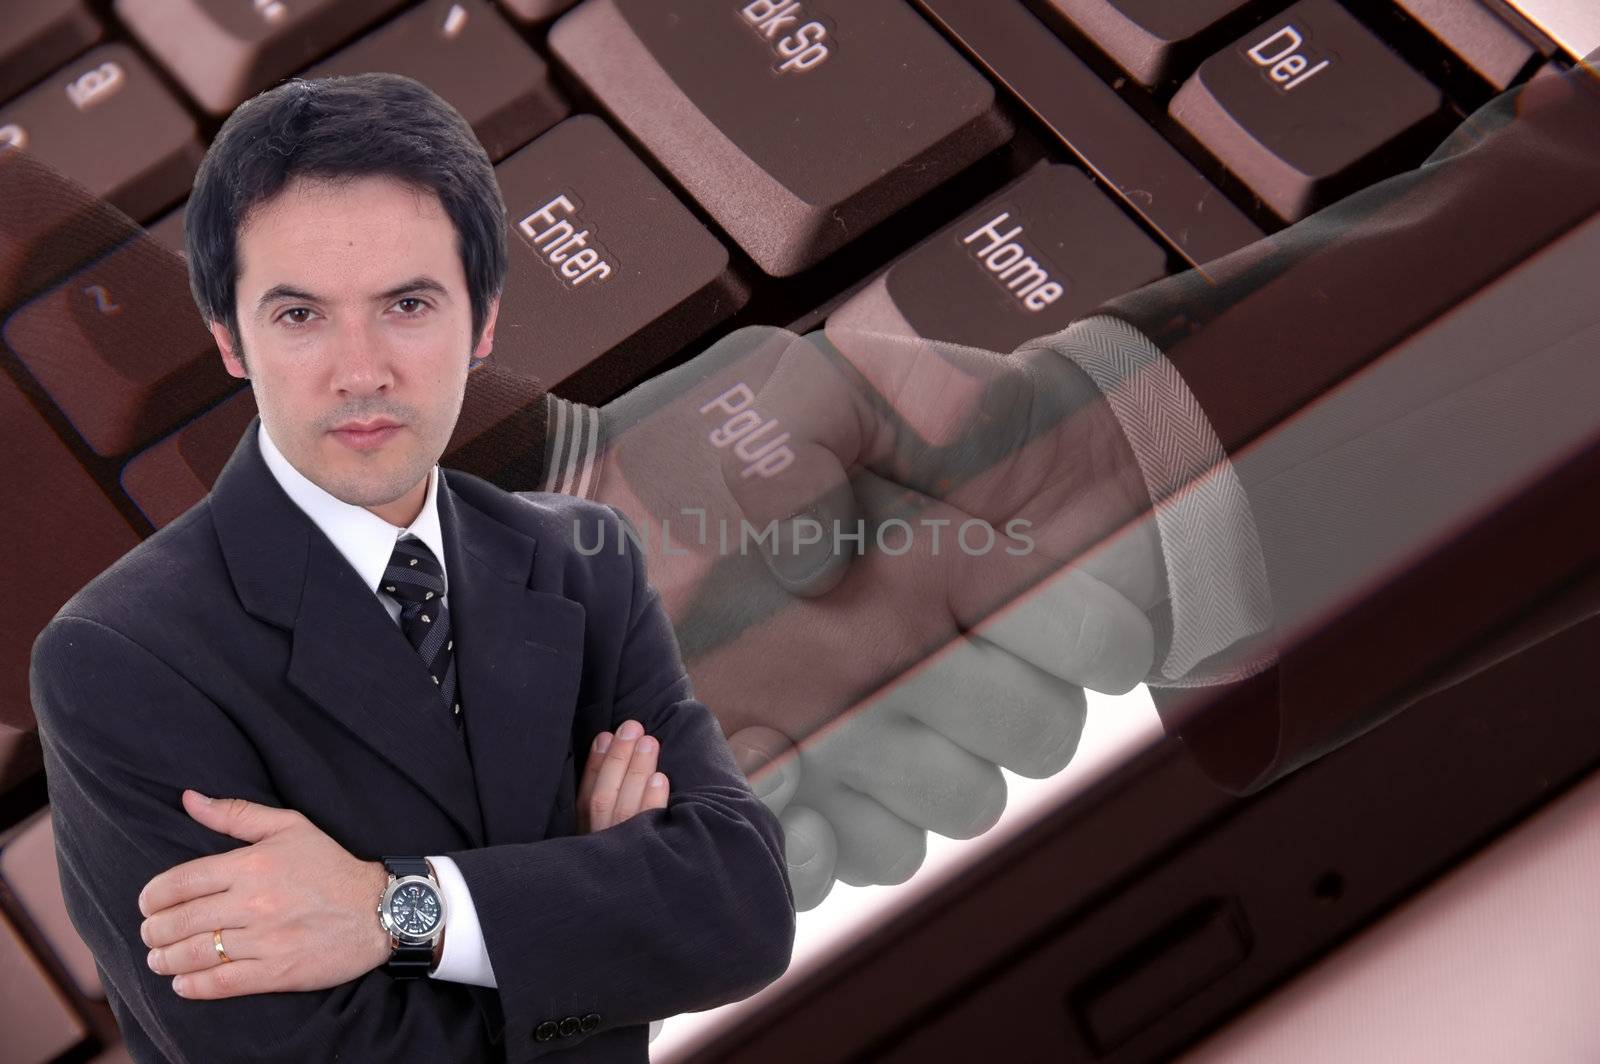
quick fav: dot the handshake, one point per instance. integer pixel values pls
(893, 567)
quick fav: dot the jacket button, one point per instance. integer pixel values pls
(546, 1031)
(590, 1022)
(569, 1026)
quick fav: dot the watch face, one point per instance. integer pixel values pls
(414, 909)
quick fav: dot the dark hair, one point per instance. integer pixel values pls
(340, 128)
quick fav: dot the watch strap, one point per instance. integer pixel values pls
(407, 961)
(406, 866)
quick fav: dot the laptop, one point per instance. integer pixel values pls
(1121, 910)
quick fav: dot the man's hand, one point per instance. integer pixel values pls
(620, 778)
(296, 910)
(850, 651)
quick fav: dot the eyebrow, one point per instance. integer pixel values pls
(285, 292)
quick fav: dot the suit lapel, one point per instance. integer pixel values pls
(519, 654)
(354, 662)
(518, 650)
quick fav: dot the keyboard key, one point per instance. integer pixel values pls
(1478, 36)
(467, 53)
(64, 533)
(1097, 126)
(106, 122)
(175, 473)
(1027, 262)
(49, 226)
(36, 36)
(28, 867)
(1573, 24)
(796, 125)
(121, 348)
(38, 1023)
(225, 51)
(533, 12)
(168, 230)
(609, 274)
(1153, 40)
(1299, 107)
(496, 437)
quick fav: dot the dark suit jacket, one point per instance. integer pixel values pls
(236, 652)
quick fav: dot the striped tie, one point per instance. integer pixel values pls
(415, 580)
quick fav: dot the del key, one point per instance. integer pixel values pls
(1302, 106)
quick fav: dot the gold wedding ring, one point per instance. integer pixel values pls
(216, 940)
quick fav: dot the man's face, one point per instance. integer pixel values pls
(353, 311)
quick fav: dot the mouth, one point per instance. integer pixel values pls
(366, 435)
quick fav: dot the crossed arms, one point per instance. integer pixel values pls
(698, 888)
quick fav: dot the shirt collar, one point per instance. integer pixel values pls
(365, 539)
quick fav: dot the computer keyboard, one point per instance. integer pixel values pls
(982, 171)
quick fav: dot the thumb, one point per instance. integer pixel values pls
(1077, 628)
(771, 763)
(786, 452)
(237, 817)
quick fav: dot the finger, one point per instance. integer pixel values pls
(656, 791)
(930, 385)
(1076, 627)
(922, 414)
(603, 802)
(770, 763)
(1000, 708)
(242, 819)
(591, 773)
(932, 414)
(811, 853)
(630, 795)
(199, 951)
(874, 845)
(911, 770)
(791, 446)
(224, 981)
(173, 925)
(202, 876)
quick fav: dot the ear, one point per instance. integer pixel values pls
(230, 359)
(486, 341)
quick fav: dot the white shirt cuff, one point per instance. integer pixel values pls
(465, 958)
(572, 447)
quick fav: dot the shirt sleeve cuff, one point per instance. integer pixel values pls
(572, 447)
(466, 957)
(1218, 592)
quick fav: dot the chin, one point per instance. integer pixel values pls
(372, 488)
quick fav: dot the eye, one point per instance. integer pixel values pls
(298, 323)
(421, 306)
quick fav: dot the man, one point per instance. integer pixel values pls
(379, 674)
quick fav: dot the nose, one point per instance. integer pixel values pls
(361, 362)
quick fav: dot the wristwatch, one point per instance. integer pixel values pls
(412, 910)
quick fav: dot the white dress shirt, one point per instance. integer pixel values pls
(367, 542)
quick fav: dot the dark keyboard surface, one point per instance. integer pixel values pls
(980, 171)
